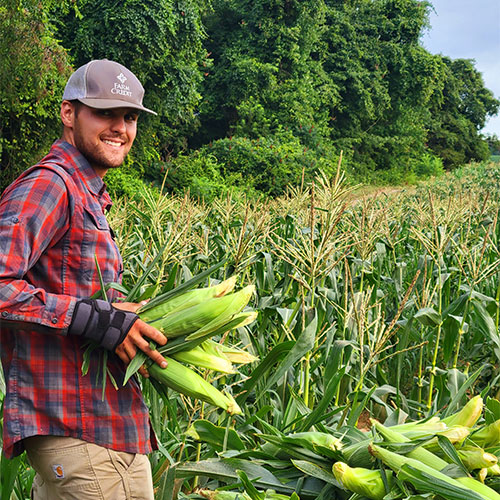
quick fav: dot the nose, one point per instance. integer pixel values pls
(119, 125)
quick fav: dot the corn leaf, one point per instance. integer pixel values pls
(424, 482)
(216, 436)
(304, 344)
(316, 471)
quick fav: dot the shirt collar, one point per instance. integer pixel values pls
(68, 153)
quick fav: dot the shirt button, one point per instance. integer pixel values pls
(54, 320)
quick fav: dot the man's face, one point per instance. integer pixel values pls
(104, 136)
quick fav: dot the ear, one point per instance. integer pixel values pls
(67, 114)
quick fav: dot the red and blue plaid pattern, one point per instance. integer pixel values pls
(52, 224)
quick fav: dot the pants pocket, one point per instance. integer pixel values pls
(63, 473)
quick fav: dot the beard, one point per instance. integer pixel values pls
(97, 153)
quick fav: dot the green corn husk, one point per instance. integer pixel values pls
(234, 354)
(234, 495)
(397, 462)
(456, 435)
(357, 454)
(487, 436)
(202, 318)
(187, 299)
(182, 379)
(430, 425)
(494, 470)
(223, 495)
(468, 415)
(366, 482)
(200, 358)
(476, 458)
(437, 463)
(319, 439)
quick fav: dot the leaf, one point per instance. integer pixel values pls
(304, 344)
(251, 490)
(461, 392)
(450, 451)
(268, 362)
(425, 482)
(428, 316)
(218, 437)
(492, 410)
(316, 471)
(319, 411)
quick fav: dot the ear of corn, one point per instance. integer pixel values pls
(487, 436)
(319, 439)
(234, 354)
(185, 381)
(428, 458)
(476, 458)
(188, 299)
(468, 415)
(456, 435)
(205, 317)
(398, 462)
(366, 482)
(198, 357)
(239, 300)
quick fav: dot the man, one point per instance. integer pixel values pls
(52, 230)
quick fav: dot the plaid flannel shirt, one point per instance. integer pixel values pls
(52, 224)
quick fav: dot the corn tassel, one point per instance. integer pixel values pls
(366, 482)
(182, 379)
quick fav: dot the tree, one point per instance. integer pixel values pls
(459, 114)
(34, 71)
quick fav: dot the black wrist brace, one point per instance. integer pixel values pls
(99, 321)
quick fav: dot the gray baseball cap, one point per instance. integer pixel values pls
(105, 84)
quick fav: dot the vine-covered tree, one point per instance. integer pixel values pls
(460, 114)
(34, 69)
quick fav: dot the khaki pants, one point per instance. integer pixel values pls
(71, 469)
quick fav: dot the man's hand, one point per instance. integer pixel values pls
(139, 336)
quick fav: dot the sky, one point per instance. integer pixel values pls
(469, 29)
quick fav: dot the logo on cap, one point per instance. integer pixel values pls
(121, 88)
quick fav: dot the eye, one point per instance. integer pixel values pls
(131, 117)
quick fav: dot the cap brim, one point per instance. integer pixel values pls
(113, 103)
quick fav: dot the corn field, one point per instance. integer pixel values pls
(381, 306)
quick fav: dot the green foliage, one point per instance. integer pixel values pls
(459, 114)
(122, 182)
(265, 164)
(34, 71)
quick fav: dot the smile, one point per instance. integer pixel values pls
(115, 144)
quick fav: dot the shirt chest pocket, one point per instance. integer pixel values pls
(98, 243)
